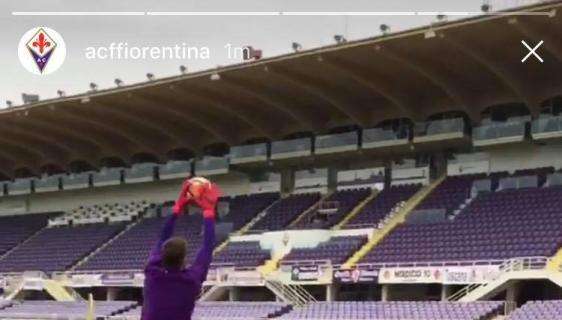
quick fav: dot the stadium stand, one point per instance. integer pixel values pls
(336, 250)
(450, 193)
(241, 254)
(88, 227)
(15, 229)
(425, 310)
(285, 211)
(97, 213)
(43, 309)
(495, 225)
(130, 251)
(243, 208)
(538, 310)
(342, 120)
(238, 310)
(340, 203)
(49, 251)
(225, 310)
(382, 204)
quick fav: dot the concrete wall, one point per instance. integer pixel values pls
(508, 158)
(158, 191)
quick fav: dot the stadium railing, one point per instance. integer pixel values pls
(499, 130)
(510, 265)
(318, 262)
(527, 263)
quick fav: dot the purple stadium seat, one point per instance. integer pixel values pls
(396, 310)
(58, 248)
(346, 200)
(15, 229)
(283, 212)
(337, 250)
(538, 310)
(495, 225)
(226, 310)
(244, 208)
(40, 309)
(130, 251)
(241, 254)
(382, 204)
(451, 193)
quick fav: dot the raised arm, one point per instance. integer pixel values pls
(155, 257)
(204, 256)
(198, 270)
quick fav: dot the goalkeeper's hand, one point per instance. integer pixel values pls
(183, 199)
(208, 201)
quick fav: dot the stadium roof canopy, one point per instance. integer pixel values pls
(465, 65)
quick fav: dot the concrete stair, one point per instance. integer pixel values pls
(358, 208)
(555, 262)
(58, 291)
(394, 221)
(309, 210)
(246, 227)
(105, 244)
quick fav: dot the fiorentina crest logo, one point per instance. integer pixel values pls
(42, 50)
(41, 47)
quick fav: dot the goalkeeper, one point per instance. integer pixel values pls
(171, 288)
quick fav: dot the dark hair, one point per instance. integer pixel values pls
(173, 253)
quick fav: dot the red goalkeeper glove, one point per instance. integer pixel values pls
(208, 201)
(183, 199)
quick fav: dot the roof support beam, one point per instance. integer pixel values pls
(118, 129)
(322, 91)
(195, 119)
(504, 74)
(294, 113)
(20, 156)
(370, 81)
(154, 130)
(79, 145)
(6, 167)
(111, 140)
(552, 42)
(50, 147)
(217, 102)
(168, 122)
(421, 67)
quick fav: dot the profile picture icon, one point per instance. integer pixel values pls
(41, 50)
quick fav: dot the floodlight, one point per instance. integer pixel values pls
(340, 39)
(297, 47)
(485, 6)
(384, 28)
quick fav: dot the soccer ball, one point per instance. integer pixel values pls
(197, 187)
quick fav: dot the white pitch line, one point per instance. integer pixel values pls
(278, 13)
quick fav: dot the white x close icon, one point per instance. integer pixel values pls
(532, 51)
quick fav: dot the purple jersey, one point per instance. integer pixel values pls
(171, 294)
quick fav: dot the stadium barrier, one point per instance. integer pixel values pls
(508, 266)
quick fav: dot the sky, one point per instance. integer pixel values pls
(272, 34)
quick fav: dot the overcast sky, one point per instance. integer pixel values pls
(273, 35)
